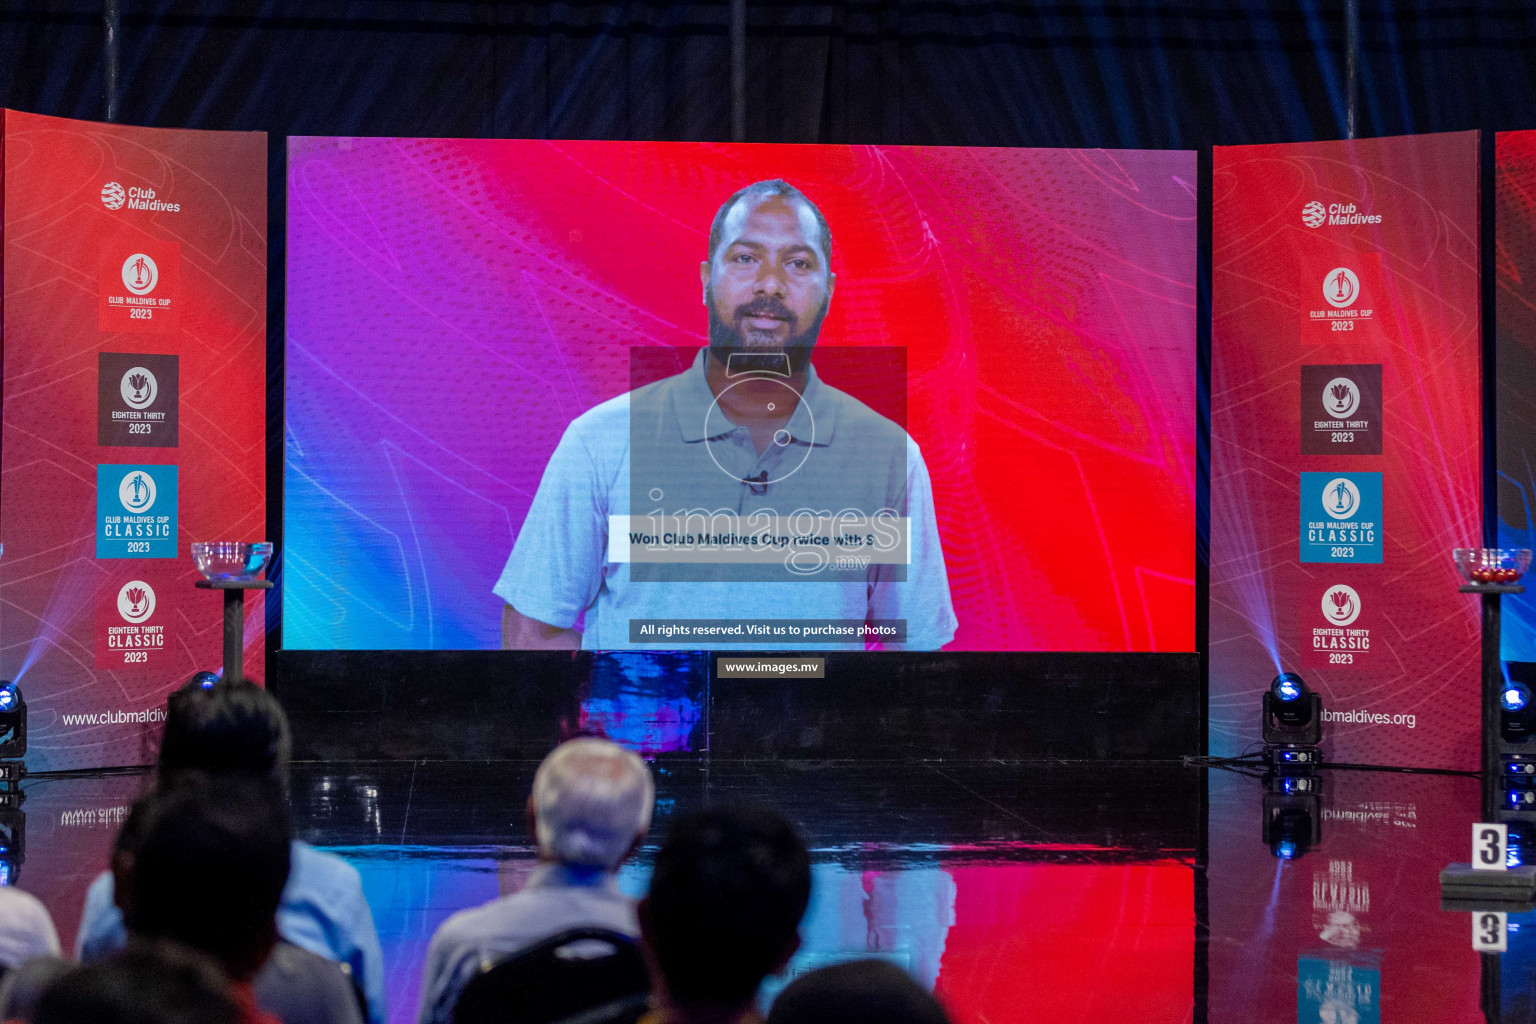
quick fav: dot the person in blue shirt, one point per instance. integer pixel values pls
(240, 729)
(741, 443)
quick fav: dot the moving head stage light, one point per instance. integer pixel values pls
(1293, 816)
(1517, 712)
(1293, 722)
(13, 722)
(13, 843)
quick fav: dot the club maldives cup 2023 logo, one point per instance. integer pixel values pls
(139, 289)
(1340, 287)
(140, 275)
(1339, 299)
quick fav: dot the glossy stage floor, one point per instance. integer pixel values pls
(1067, 893)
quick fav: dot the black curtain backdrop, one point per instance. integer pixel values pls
(966, 72)
(953, 73)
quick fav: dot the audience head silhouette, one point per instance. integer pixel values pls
(724, 909)
(202, 861)
(591, 804)
(225, 729)
(146, 983)
(859, 992)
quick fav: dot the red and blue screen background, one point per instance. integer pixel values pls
(453, 304)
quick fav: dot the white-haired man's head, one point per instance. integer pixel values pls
(591, 803)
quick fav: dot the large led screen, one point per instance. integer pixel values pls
(677, 395)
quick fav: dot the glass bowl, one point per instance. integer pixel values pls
(1492, 565)
(220, 560)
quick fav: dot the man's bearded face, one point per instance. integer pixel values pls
(743, 344)
(768, 287)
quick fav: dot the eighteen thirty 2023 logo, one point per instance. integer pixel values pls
(115, 197)
(1315, 215)
(1341, 409)
(1341, 397)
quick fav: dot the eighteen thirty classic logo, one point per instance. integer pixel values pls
(1339, 640)
(126, 635)
(1341, 605)
(136, 601)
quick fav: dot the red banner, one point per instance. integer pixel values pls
(1346, 442)
(134, 291)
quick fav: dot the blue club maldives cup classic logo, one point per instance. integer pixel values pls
(136, 511)
(1341, 517)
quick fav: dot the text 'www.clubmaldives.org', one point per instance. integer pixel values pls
(118, 717)
(1362, 717)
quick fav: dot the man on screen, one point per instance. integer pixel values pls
(748, 434)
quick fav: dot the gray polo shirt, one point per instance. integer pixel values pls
(666, 447)
(556, 899)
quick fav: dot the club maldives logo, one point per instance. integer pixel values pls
(1341, 397)
(115, 197)
(1341, 498)
(137, 491)
(1341, 287)
(1314, 215)
(136, 601)
(140, 275)
(1341, 605)
(139, 388)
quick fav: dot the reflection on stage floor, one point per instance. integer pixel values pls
(1020, 892)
